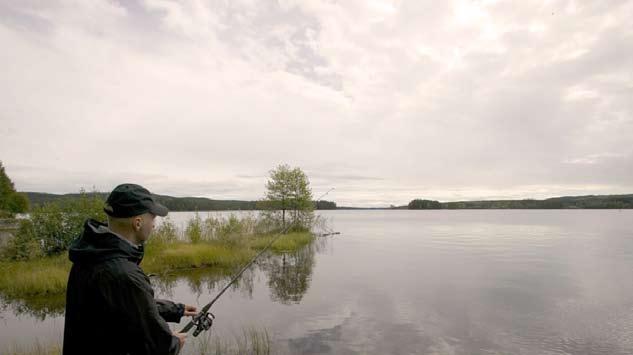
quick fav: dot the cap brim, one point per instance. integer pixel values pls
(159, 210)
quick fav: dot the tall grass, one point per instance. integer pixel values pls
(194, 229)
(179, 255)
(229, 231)
(38, 277)
(286, 243)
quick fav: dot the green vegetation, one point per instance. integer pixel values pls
(183, 255)
(214, 242)
(37, 277)
(11, 201)
(289, 190)
(289, 242)
(218, 243)
(53, 226)
(23, 245)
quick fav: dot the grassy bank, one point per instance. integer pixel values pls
(167, 257)
(286, 243)
(37, 277)
(48, 275)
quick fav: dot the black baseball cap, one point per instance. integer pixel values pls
(129, 200)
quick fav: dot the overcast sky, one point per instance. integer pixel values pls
(385, 101)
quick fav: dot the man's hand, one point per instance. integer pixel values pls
(181, 338)
(190, 310)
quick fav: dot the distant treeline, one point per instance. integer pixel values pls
(177, 203)
(205, 204)
(591, 201)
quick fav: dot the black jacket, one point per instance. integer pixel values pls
(110, 305)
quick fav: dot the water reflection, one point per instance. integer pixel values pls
(289, 275)
(201, 281)
(38, 308)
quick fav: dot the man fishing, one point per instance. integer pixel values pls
(110, 305)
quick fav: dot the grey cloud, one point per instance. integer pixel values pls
(23, 17)
(285, 31)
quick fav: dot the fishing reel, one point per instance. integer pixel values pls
(202, 322)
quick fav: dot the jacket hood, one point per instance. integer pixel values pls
(97, 243)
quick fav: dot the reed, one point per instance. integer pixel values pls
(37, 277)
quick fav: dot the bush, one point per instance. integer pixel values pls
(24, 245)
(53, 226)
(58, 224)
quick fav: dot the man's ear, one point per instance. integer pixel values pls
(137, 223)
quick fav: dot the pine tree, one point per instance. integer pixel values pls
(10, 200)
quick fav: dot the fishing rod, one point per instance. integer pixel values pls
(204, 319)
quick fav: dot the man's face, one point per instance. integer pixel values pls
(144, 225)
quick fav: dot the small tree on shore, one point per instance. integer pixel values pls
(289, 197)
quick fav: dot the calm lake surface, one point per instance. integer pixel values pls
(419, 282)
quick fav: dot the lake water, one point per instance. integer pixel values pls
(421, 282)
